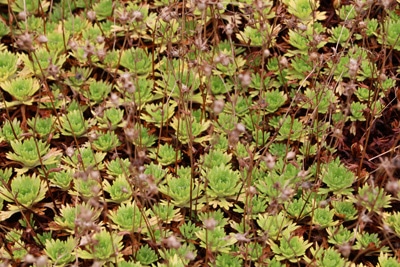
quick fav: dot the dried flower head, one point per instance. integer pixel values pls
(166, 14)
(136, 15)
(25, 42)
(123, 16)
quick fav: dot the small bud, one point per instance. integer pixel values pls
(345, 250)
(290, 155)
(114, 99)
(125, 77)
(245, 79)
(152, 189)
(270, 161)
(225, 60)
(383, 77)
(318, 38)
(284, 62)
(70, 151)
(365, 218)
(337, 132)
(362, 25)
(53, 70)
(190, 256)
(22, 15)
(359, 6)
(84, 241)
(387, 4)
(123, 16)
(210, 223)
(93, 136)
(302, 27)
(72, 44)
(42, 261)
(370, 2)
(306, 185)
(100, 39)
(42, 39)
(184, 88)
(130, 133)
(240, 127)
(353, 67)
(91, 15)
(29, 258)
(95, 189)
(95, 174)
(267, 53)
(303, 173)
(172, 242)
(386, 228)
(130, 87)
(242, 237)
(259, 4)
(142, 177)
(101, 54)
(393, 187)
(252, 190)
(207, 69)
(314, 56)
(322, 204)
(229, 29)
(125, 190)
(286, 193)
(165, 14)
(396, 162)
(137, 15)
(218, 106)
(192, 64)
(88, 49)
(201, 5)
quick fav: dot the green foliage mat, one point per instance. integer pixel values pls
(199, 133)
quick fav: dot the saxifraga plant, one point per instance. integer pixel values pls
(11, 130)
(31, 153)
(61, 252)
(8, 65)
(25, 191)
(290, 248)
(223, 183)
(72, 221)
(22, 90)
(105, 247)
(128, 217)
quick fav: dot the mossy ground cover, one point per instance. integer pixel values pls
(199, 133)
